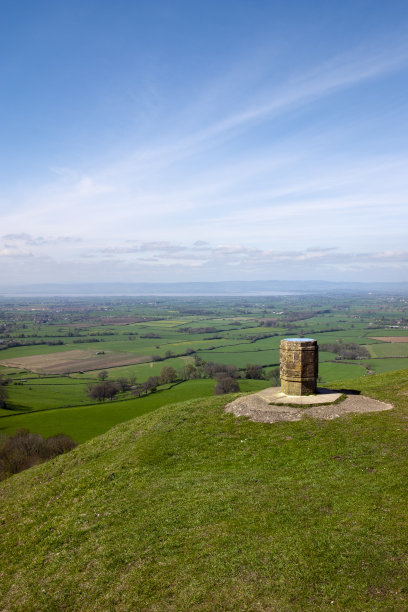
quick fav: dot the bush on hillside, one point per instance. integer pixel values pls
(167, 375)
(3, 392)
(254, 371)
(104, 390)
(346, 350)
(225, 384)
(212, 370)
(23, 449)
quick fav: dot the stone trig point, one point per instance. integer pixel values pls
(299, 396)
(299, 363)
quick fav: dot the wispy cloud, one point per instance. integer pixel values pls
(241, 196)
(224, 262)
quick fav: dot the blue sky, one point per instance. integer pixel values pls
(203, 140)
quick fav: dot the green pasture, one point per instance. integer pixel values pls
(329, 337)
(142, 371)
(38, 395)
(388, 349)
(329, 372)
(268, 343)
(168, 324)
(326, 356)
(85, 422)
(219, 322)
(240, 360)
(195, 343)
(140, 347)
(247, 347)
(386, 331)
(388, 364)
(41, 349)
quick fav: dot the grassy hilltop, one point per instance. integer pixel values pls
(188, 508)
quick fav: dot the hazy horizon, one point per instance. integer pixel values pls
(254, 288)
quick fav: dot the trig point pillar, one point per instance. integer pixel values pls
(298, 366)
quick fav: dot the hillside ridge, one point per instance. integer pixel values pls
(190, 508)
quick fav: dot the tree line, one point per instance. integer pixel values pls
(23, 449)
(346, 350)
(225, 375)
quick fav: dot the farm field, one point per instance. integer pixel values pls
(85, 422)
(53, 351)
(329, 372)
(388, 349)
(71, 361)
(392, 339)
(388, 364)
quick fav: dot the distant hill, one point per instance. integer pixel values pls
(228, 288)
(188, 508)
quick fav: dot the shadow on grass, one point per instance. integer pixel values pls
(345, 391)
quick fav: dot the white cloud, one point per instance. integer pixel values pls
(239, 206)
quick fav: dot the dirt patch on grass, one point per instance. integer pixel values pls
(257, 409)
(72, 361)
(392, 339)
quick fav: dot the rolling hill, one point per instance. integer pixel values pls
(188, 508)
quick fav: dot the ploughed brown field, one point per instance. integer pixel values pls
(390, 338)
(72, 361)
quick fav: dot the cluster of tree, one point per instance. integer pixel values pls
(167, 355)
(256, 337)
(85, 340)
(254, 371)
(298, 316)
(196, 311)
(170, 354)
(107, 389)
(226, 376)
(149, 385)
(150, 335)
(270, 323)
(23, 449)
(199, 330)
(330, 328)
(225, 384)
(104, 390)
(346, 350)
(3, 391)
(15, 343)
(209, 369)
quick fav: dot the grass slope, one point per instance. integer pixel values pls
(85, 422)
(188, 508)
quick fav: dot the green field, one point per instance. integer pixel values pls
(228, 330)
(240, 360)
(329, 372)
(85, 422)
(388, 365)
(39, 394)
(389, 349)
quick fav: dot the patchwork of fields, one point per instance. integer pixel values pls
(51, 355)
(71, 361)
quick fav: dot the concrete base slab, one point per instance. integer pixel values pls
(258, 408)
(274, 395)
